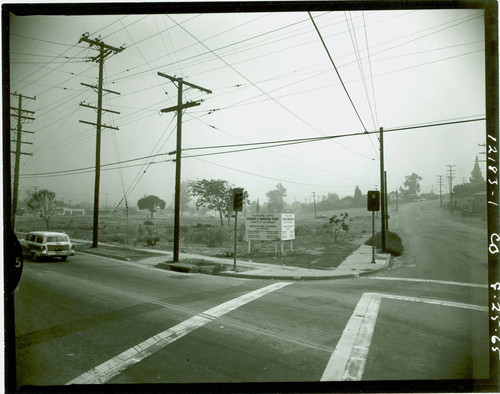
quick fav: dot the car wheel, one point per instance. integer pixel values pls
(64, 258)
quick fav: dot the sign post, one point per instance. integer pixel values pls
(235, 238)
(270, 227)
(373, 204)
(237, 206)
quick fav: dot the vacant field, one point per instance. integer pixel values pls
(313, 247)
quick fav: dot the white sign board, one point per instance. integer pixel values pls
(270, 226)
(287, 226)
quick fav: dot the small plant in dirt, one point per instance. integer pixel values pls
(151, 241)
(393, 243)
(339, 223)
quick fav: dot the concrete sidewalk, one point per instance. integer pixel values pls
(357, 264)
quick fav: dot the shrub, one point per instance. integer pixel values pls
(149, 241)
(339, 223)
(393, 243)
(215, 237)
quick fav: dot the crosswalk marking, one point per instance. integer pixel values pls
(349, 357)
(441, 282)
(107, 370)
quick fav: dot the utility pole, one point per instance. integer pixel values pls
(440, 186)
(314, 199)
(450, 179)
(382, 188)
(21, 114)
(482, 153)
(104, 51)
(386, 202)
(179, 107)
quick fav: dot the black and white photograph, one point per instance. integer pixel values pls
(251, 197)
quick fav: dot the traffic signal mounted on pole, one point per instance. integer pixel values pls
(238, 199)
(373, 198)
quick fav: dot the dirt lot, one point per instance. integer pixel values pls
(313, 247)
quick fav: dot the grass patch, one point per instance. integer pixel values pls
(194, 266)
(314, 245)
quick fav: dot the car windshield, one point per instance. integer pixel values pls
(57, 238)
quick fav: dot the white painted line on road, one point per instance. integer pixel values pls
(348, 360)
(107, 370)
(343, 356)
(441, 282)
(435, 302)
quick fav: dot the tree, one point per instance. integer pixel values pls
(331, 201)
(213, 194)
(476, 177)
(151, 203)
(411, 184)
(358, 200)
(275, 197)
(185, 198)
(43, 204)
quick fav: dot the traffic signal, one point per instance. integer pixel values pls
(237, 200)
(373, 198)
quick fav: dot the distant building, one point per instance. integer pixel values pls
(479, 203)
(394, 196)
(73, 212)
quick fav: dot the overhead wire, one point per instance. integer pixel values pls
(264, 176)
(461, 21)
(272, 144)
(371, 72)
(361, 70)
(273, 99)
(248, 102)
(336, 70)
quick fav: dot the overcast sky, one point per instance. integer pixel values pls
(271, 79)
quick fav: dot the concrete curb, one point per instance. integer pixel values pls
(304, 278)
(343, 272)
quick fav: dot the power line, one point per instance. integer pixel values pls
(141, 173)
(255, 145)
(91, 168)
(265, 176)
(337, 71)
(370, 68)
(272, 98)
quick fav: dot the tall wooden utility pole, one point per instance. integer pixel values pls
(179, 107)
(440, 187)
(314, 198)
(386, 202)
(21, 114)
(450, 178)
(104, 52)
(382, 189)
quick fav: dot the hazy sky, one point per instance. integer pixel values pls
(271, 79)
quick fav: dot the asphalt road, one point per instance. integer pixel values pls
(93, 320)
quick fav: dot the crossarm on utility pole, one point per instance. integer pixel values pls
(179, 80)
(183, 106)
(97, 87)
(102, 109)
